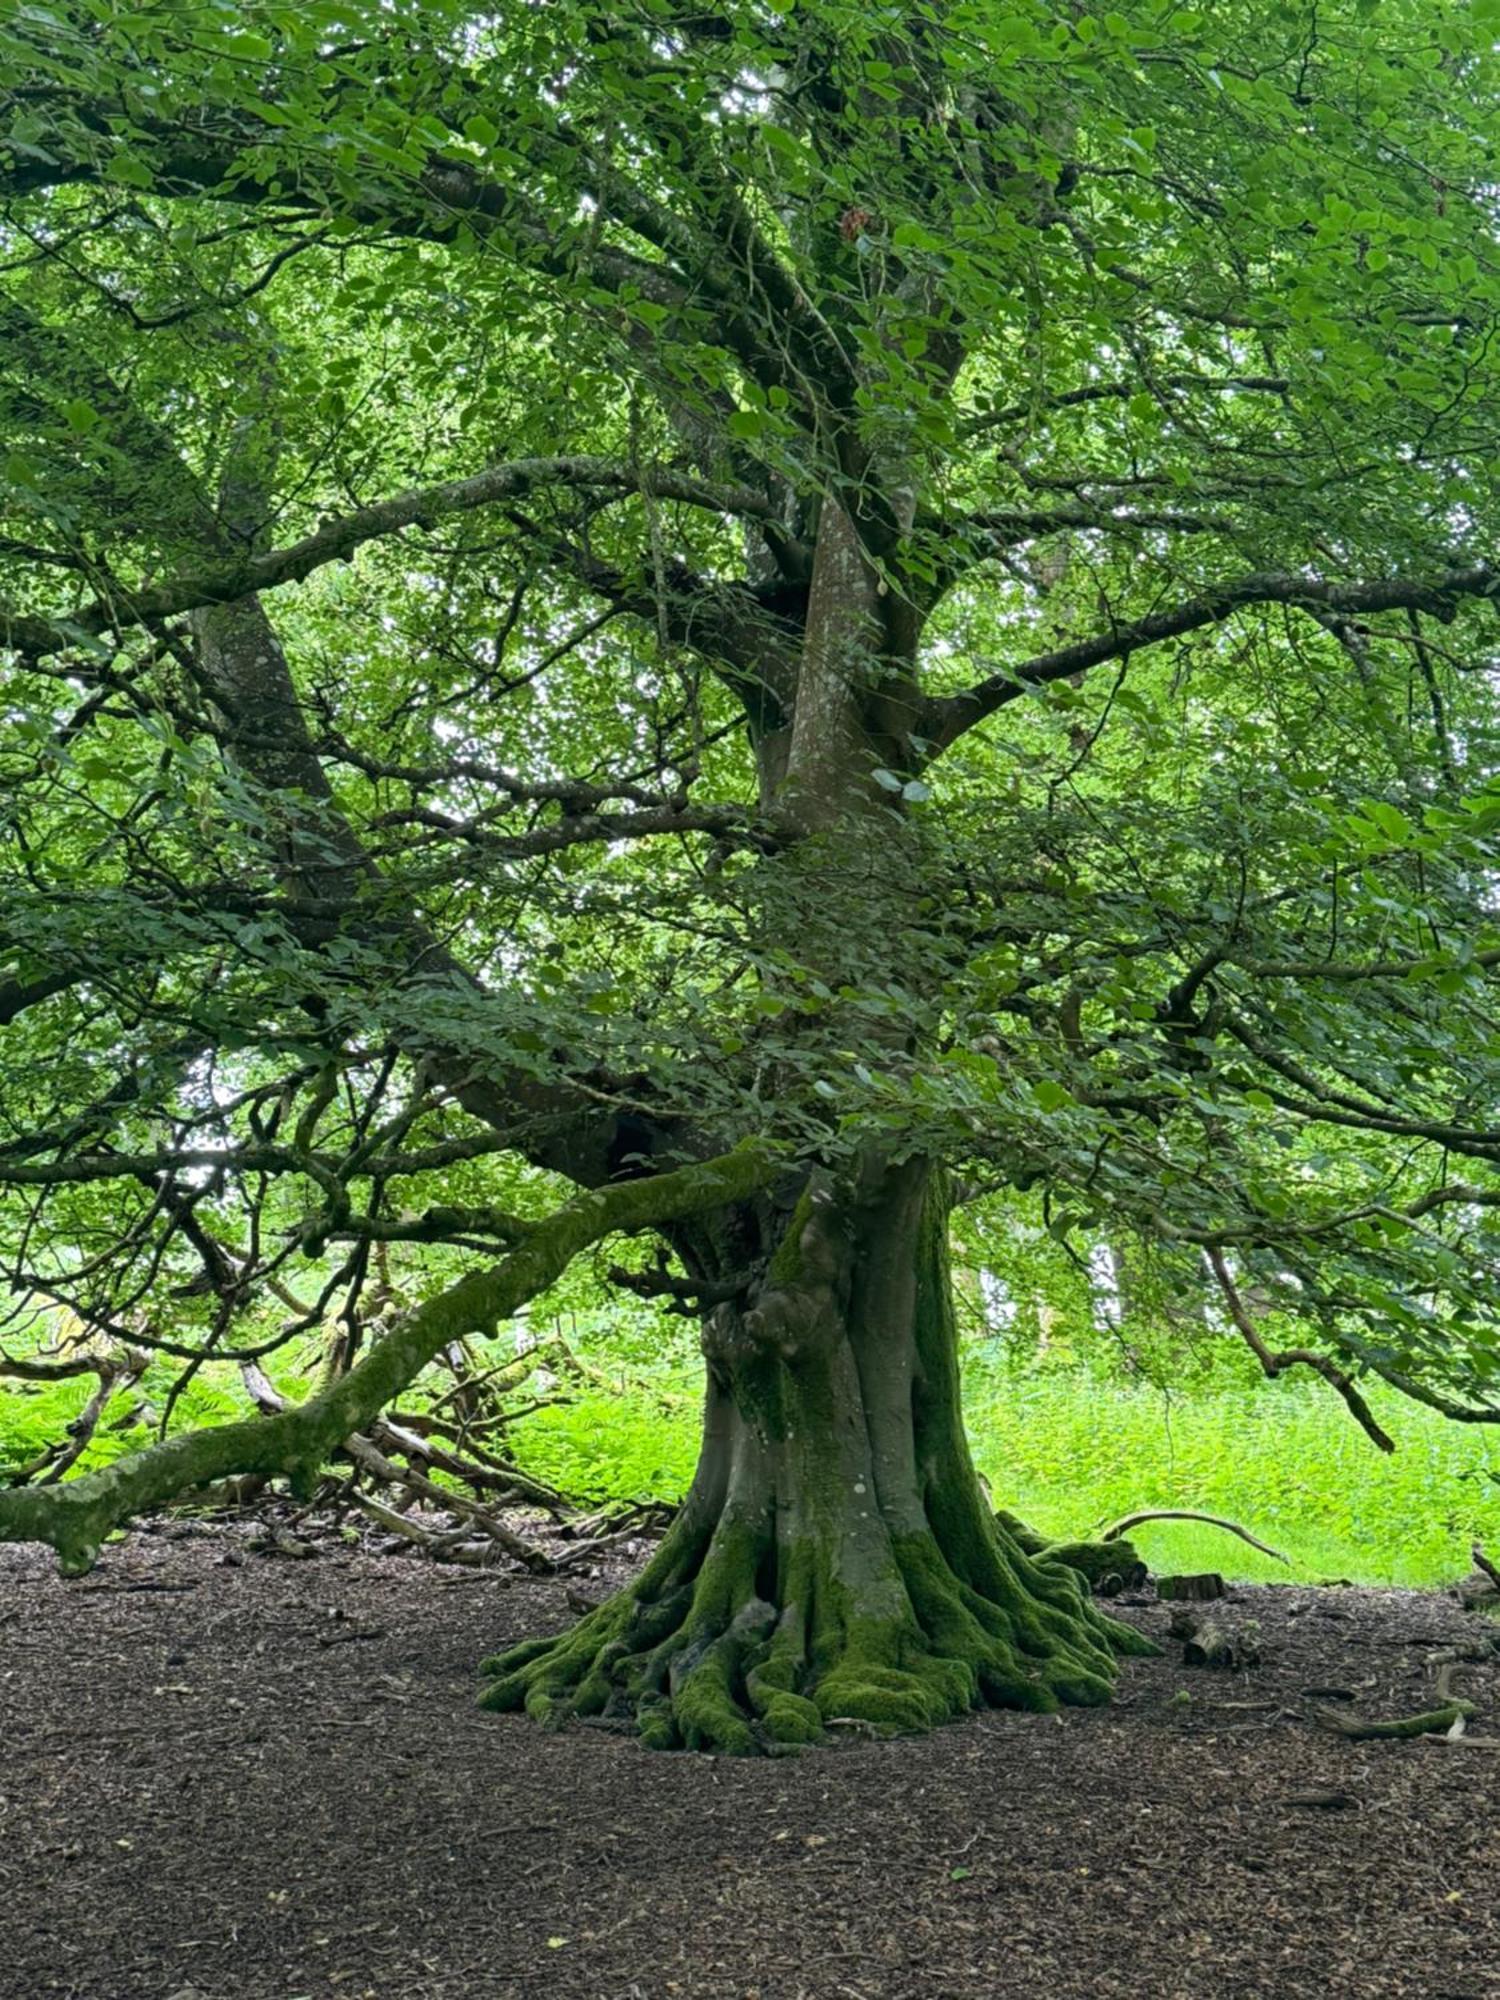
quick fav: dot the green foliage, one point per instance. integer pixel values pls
(1071, 1452)
(579, 584)
(1063, 1441)
(635, 1441)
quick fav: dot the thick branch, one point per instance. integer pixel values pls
(74, 1519)
(335, 540)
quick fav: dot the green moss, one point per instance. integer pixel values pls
(700, 1661)
(898, 1632)
(791, 1718)
(656, 1726)
(784, 1272)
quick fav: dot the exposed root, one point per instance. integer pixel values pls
(1106, 1566)
(1450, 1714)
(696, 1658)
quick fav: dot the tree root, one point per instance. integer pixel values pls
(1438, 1721)
(695, 1658)
(1106, 1566)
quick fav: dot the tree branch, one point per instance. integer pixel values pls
(75, 1518)
(948, 717)
(1274, 1363)
(336, 540)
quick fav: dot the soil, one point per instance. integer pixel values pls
(230, 1775)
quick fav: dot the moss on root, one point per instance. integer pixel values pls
(697, 1659)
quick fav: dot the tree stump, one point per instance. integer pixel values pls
(1191, 1589)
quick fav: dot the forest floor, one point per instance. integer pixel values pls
(227, 1775)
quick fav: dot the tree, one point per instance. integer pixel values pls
(780, 615)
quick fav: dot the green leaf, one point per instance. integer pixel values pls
(1051, 1095)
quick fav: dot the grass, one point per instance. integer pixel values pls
(1066, 1450)
(1071, 1453)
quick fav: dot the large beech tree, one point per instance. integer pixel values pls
(741, 623)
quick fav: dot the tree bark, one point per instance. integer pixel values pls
(835, 1561)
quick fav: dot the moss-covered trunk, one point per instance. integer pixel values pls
(835, 1561)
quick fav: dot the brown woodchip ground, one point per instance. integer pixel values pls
(258, 1779)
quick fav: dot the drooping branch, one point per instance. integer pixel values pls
(74, 1518)
(1123, 1526)
(1275, 1363)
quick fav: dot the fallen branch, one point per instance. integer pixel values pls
(1435, 1721)
(410, 1432)
(441, 1547)
(1189, 1514)
(386, 1434)
(1212, 1646)
(75, 1518)
(1450, 1714)
(372, 1460)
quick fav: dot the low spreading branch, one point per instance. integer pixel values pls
(75, 1518)
(117, 1369)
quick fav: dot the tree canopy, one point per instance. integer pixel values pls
(589, 591)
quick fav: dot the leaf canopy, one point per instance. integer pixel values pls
(581, 583)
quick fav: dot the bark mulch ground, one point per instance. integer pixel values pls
(233, 1776)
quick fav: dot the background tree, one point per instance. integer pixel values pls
(750, 609)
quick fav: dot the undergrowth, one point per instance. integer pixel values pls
(1067, 1450)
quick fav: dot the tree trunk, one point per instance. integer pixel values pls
(835, 1560)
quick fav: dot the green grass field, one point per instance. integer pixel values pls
(1071, 1454)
